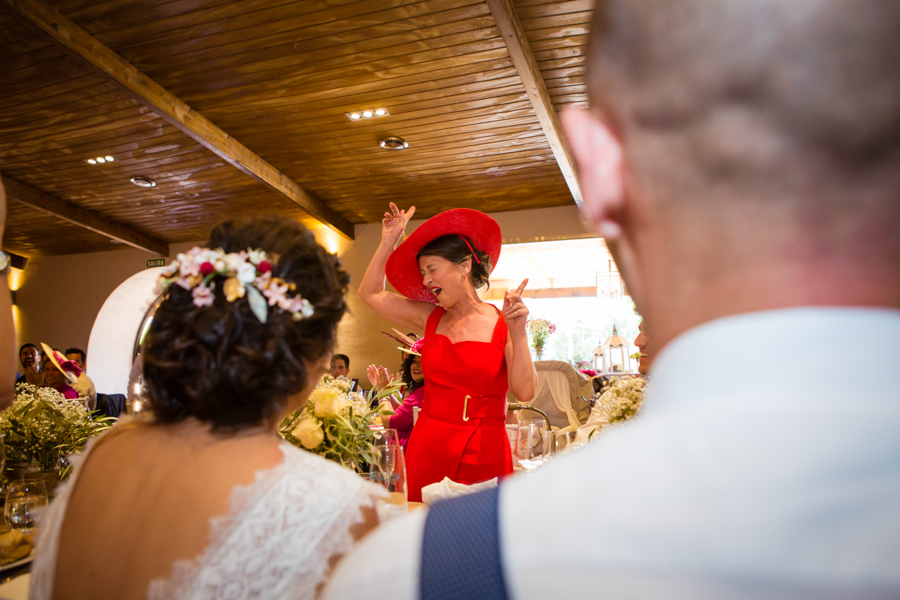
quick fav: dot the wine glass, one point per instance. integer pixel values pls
(530, 450)
(386, 448)
(557, 443)
(391, 465)
(25, 502)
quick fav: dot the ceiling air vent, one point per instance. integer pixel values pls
(394, 143)
(144, 182)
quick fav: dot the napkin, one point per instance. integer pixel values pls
(442, 490)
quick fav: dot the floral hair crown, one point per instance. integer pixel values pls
(247, 273)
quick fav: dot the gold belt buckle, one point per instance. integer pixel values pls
(465, 407)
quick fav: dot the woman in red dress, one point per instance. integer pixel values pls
(473, 353)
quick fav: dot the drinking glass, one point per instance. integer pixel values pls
(389, 461)
(557, 442)
(386, 454)
(25, 502)
(530, 449)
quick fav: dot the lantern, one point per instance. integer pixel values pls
(600, 359)
(616, 350)
(609, 282)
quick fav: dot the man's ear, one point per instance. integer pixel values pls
(598, 154)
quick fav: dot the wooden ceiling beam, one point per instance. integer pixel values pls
(83, 217)
(126, 76)
(523, 59)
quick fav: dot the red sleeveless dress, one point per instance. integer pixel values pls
(461, 430)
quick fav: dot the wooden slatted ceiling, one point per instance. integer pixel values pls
(55, 235)
(47, 130)
(290, 72)
(557, 33)
(278, 75)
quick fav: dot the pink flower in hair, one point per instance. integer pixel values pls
(416, 348)
(183, 282)
(189, 268)
(277, 294)
(203, 296)
(301, 305)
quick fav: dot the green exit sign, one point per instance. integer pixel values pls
(156, 262)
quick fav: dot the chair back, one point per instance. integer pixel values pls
(558, 388)
(111, 405)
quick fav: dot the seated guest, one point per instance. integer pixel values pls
(742, 162)
(30, 357)
(59, 373)
(84, 386)
(201, 498)
(340, 367)
(414, 381)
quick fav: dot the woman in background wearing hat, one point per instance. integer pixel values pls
(59, 373)
(472, 354)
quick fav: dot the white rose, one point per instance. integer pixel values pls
(309, 432)
(256, 256)
(246, 273)
(327, 402)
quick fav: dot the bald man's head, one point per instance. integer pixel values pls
(744, 155)
(745, 85)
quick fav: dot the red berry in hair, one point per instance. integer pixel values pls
(207, 268)
(264, 267)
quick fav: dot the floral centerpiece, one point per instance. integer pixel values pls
(335, 423)
(621, 401)
(42, 427)
(540, 330)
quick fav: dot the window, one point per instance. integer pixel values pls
(575, 285)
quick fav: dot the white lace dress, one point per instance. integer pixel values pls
(274, 543)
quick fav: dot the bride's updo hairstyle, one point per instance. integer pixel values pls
(455, 248)
(219, 363)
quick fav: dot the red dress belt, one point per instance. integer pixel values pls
(464, 409)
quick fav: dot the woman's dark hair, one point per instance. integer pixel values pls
(455, 248)
(406, 374)
(219, 363)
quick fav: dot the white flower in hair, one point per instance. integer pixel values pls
(246, 273)
(256, 256)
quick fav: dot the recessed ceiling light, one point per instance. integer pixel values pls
(100, 159)
(394, 143)
(109, 158)
(367, 114)
(92, 161)
(141, 181)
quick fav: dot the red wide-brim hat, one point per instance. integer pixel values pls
(403, 267)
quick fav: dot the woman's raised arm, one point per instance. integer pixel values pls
(406, 312)
(522, 376)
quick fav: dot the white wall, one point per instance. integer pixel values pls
(58, 297)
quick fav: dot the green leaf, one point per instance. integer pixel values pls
(258, 303)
